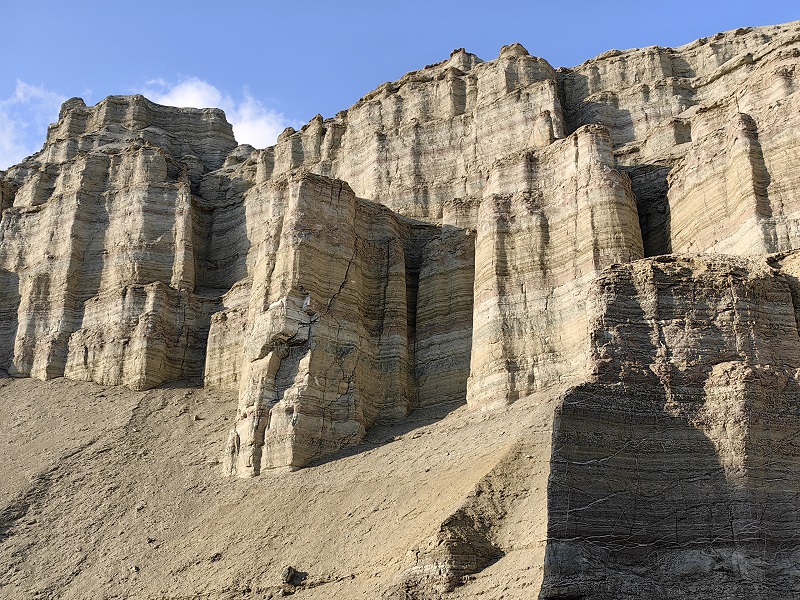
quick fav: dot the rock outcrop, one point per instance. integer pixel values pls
(99, 233)
(705, 125)
(687, 430)
(623, 236)
(550, 221)
(326, 333)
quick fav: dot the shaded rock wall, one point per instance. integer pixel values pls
(687, 432)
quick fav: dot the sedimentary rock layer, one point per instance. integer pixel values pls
(417, 143)
(704, 131)
(687, 435)
(328, 331)
(128, 196)
(551, 219)
(474, 232)
(515, 213)
(93, 215)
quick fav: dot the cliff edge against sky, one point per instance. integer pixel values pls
(537, 328)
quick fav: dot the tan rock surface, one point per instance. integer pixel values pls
(604, 260)
(688, 434)
(705, 125)
(551, 220)
(101, 212)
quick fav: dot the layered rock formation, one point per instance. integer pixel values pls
(687, 431)
(98, 232)
(708, 124)
(570, 215)
(622, 235)
(326, 330)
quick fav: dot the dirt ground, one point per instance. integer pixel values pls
(107, 493)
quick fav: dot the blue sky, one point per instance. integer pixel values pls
(273, 64)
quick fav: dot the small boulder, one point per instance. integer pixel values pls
(287, 574)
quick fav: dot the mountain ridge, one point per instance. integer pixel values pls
(595, 267)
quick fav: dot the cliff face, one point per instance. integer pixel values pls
(687, 429)
(707, 124)
(97, 231)
(325, 327)
(622, 237)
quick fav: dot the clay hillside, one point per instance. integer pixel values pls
(498, 330)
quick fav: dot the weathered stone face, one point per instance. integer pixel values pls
(550, 221)
(621, 236)
(93, 214)
(687, 430)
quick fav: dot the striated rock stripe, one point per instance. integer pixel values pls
(553, 220)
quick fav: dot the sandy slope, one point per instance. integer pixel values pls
(108, 493)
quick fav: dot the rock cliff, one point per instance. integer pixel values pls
(614, 247)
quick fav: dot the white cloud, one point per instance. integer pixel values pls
(253, 123)
(24, 117)
(193, 93)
